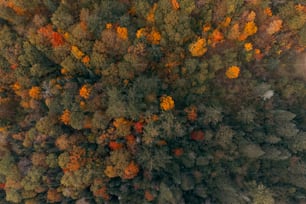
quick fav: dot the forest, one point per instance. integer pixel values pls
(153, 101)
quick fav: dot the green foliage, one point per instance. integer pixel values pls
(283, 123)
(72, 65)
(224, 136)
(120, 158)
(77, 118)
(150, 132)
(167, 194)
(50, 5)
(51, 160)
(261, 194)
(6, 163)
(142, 8)
(74, 182)
(33, 178)
(63, 159)
(299, 143)
(170, 127)
(116, 106)
(38, 70)
(215, 63)
(13, 195)
(302, 40)
(212, 116)
(175, 25)
(78, 179)
(100, 120)
(31, 56)
(154, 158)
(62, 17)
(46, 125)
(246, 115)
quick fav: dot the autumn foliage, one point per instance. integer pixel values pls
(85, 91)
(35, 93)
(131, 170)
(166, 103)
(152, 101)
(55, 38)
(232, 72)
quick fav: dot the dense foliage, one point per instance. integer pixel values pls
(152, 101)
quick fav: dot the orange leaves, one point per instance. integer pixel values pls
(130, 140)
(300, 8)
(17, 9)
(108, 26)
(257, 54)
(16, 86)
(149, 196)
(2, 185)
(113, 145)
(85, 91)
(86, 60)
(110, 172)
(54, 196)
(151, 15)
(216, 37)
(152, 36)
(87, 123)
(268, 11)
(14, 66)
(76, 159)
(232, 72)
(274, 26)
(250, 28)
(178, 152)
(119, 122)
(234, 32)
(46, 30)
(226, 22)
(102, 192)
(191, 113)
(63, 142)
(64, 71)
(83, 26)
(175, 4)
(166, 103)
(206, 27)
(77, 53)
(198, 48)
(197, 135)
(248, 47)
(138, 127)
(251, 16)
(65, 117)
(131, 170)
(132, 11)
(141, 32)
(55, 38)
(122, 32)
(35, 93)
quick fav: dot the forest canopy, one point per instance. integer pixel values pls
(152, 101)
